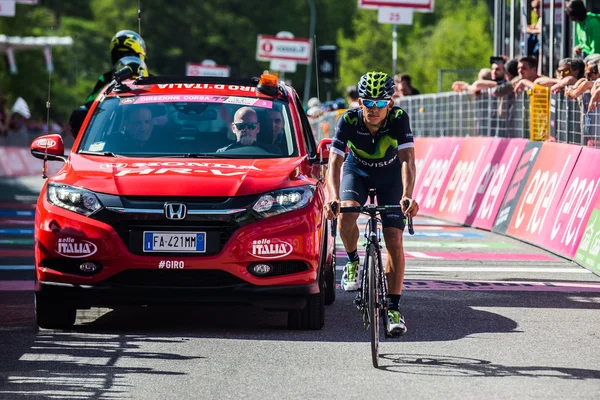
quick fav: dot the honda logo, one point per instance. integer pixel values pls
(175, 210)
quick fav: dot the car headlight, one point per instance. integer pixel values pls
(284, 200)
(75, 199)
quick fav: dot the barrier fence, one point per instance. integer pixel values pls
(534, 115)
(481, 162)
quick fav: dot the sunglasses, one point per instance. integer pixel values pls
(377, 103)
(563, 71)
(244, 125)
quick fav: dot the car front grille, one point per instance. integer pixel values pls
(286, 267)
(201, 278)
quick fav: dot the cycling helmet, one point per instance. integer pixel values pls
(376, 85)
(126, 43)
(136, 64)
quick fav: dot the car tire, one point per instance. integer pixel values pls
(312, 316)
(330, 283)
(53, 315)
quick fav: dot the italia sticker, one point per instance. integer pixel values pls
(270, 248)
(75, 248)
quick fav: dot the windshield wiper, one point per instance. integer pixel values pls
(98, 153)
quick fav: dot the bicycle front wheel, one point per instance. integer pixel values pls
(373, 290)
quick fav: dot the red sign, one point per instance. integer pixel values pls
(436, 172)
(474, 154)
(575, 206)
(421, 5)
(493, 183)
(543, 190)
(281, 48)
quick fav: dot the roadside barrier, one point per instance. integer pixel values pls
(18, 162)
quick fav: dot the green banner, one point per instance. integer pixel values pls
(589, 247)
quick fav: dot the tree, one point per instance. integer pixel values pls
(454, 36)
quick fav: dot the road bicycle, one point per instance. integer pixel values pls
(371, 299)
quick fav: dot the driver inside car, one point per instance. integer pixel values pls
(245, 126)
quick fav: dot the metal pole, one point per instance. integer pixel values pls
(551, 39)
(394, 49)
(497, 26)
(513, 9)
(311, 36)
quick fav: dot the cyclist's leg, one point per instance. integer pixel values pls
(353, 192)
(390, 193)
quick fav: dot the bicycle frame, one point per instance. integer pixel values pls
(372, 301)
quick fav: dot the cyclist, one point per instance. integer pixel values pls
(124, 43)
(381, 156)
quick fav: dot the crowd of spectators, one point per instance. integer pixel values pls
(18, 128)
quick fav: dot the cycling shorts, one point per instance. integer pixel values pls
(387, 182)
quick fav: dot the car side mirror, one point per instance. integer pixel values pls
(49, 147)
(76, 120)
(323, 151)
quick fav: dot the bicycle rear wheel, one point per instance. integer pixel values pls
(373, 290)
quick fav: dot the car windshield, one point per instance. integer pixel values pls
(191, 126)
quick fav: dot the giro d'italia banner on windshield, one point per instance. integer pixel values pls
(588, 253)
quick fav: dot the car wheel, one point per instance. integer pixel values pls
(53, 315)
(330, 283)
(312, 316)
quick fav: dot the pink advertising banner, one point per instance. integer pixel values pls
(474, 154)
(493, 183)
(534, 213)
(436, 173)
(576, 204)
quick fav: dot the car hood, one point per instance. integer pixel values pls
(181, 177)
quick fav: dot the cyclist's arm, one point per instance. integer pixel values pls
(344, 126)
(409, 171)
(406, 154)
(333, 176)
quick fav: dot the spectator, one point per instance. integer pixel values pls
(587, 82)
(485, 74)
(512, 75)
(314, 108)
(569, 71)
(352, 97)
(587, 28)
(498, 73)
(534, 30)
(404, 87)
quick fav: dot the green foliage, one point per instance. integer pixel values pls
(177, 32)
(456, 36)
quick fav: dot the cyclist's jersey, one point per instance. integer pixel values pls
(372, 152)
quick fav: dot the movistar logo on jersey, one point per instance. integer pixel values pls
(398, 113)
(352, 120)
(382, 147)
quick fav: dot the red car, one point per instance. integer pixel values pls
(166, 199)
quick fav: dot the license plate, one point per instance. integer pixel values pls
(175, 242)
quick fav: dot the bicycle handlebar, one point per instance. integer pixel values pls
(372, 209)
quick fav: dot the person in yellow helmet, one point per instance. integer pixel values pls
(125, 43)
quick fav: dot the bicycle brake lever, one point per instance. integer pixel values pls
(409, 220)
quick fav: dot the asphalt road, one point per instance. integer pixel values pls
(488, 317)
